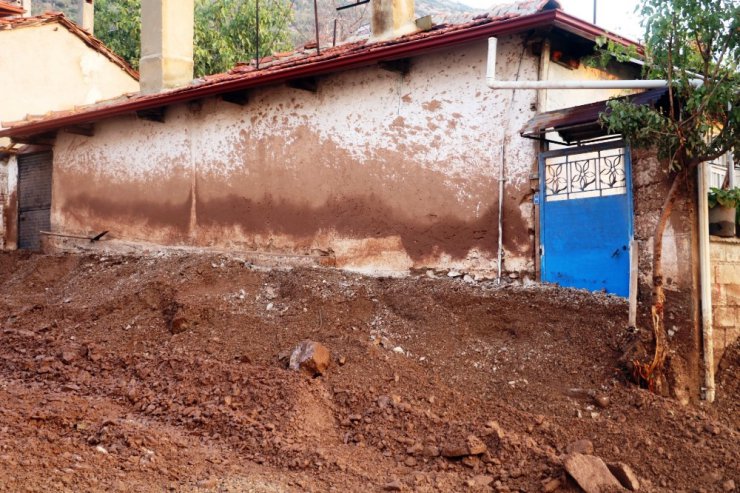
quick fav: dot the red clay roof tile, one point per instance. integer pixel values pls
(7, 9)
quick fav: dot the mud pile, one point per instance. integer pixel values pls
(170, 373)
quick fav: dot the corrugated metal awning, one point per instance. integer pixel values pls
(581, 123)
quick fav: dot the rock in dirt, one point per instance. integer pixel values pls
(393, 486)
(728, 485)
(581, 447)
(475, 445)
(179, 325)
(471, 446)
(311, 357)
(550, 485)
(479, 481)
(602, 401)
(591, 473)
(624, 475)
(68, 356)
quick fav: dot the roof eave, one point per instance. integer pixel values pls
(395, 51)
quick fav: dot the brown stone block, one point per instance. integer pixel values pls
(716, 254)
(718, 295)
(728, 274)
(724, 317)
(731, 252)
(731, 294)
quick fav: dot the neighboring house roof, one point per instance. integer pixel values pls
(8, 24)
(306, 62)
(579, 123)
(7, 9)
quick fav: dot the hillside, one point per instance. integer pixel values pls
(70, 7)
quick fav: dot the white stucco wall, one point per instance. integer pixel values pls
(45, 68)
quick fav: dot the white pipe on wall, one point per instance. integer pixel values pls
(705, 276)
(731, 160)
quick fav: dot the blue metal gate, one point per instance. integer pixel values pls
(586, 217)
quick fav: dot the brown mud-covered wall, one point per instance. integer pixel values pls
(382, 172)
(680, 268)
(385, 172)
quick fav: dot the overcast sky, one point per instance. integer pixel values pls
(614, 15)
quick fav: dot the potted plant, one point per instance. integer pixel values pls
(722, 211)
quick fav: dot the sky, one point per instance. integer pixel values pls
(615, 15)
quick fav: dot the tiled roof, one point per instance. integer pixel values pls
(306, 62)
(12, 23)
(7, 9)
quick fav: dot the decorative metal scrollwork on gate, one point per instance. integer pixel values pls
(583, 175)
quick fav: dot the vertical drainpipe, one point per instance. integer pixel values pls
(544, 74)
(705, 276)
(490, 70)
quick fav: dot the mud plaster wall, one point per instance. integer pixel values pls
(388, 172)
(8, 202)
(384, 171)
(680, 260)
(725, 258)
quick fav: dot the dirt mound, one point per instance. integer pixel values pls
(156, 373)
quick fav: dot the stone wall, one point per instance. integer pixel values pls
(725, 258)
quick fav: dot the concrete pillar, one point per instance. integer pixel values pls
(26, 4)
(392, 18)
(87, 9)
(167, 30)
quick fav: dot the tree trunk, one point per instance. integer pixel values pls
(652, 373)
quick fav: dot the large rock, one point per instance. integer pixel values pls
(591, 473)
(311, 357)
(625, 475)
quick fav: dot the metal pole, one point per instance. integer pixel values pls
(316, 26)
(257, 30)
(595, 1)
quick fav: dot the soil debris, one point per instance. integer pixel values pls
(89, 363)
